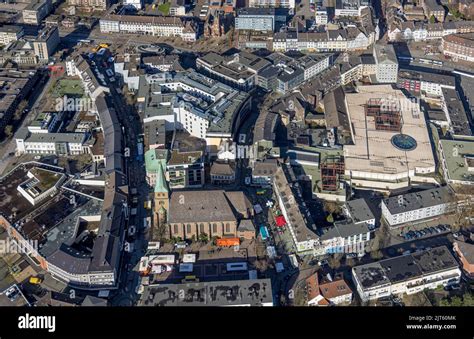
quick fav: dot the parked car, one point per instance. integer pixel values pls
(423, 233)
(452, 287)
(12, 293)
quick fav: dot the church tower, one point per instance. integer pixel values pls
(161, 197)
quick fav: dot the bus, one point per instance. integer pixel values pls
(237, 266)
(261, 192)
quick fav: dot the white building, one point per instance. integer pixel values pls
(61, 144)
(10, 33)
(149, 25)
(41, 184)
(345, 237)
(138, 4)
(321, 16)
(417, 206)
(206, 108)
(407, 274)
(387, 64)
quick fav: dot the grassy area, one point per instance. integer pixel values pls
(165, 8)
(67, 87)
(47, 179)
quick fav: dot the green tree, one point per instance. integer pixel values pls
(468, 299)
(9, 130)
(432, 19)
(203, 238)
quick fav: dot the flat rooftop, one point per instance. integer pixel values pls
(13, 206)
(417, 200)
(371, 146)
(405, 267)
(220, 293)
(456, 153)
(359, 210)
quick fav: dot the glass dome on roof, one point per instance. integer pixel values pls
(404, 142)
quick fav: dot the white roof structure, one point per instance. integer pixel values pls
(189, 258)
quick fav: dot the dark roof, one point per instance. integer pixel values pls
(417, 200)
(400, 268)
(215, 293)
(265, 126)
(359, 210)
(335, 109)
(65, 259)
(405, 267)
(371, 275)
(205, 206)
(434, 260)
(344, 229)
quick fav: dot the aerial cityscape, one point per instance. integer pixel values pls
(237, 153)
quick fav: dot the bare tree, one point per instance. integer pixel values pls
(335, 261)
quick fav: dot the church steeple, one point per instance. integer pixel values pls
(161, 185)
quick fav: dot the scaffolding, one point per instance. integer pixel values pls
(386, 114)
(331, 169)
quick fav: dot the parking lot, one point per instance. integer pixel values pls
(425, 229)
(7, 298)
(425, 232)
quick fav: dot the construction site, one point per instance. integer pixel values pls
(331, 171)
(386, 114)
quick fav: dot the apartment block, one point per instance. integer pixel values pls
(46, 43)
(36, 11)
(149, 25)
(413, 207)
(407, 274)
(459, 46)
(90, 5)
(10, 33)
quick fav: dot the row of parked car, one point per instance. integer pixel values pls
(427, 231)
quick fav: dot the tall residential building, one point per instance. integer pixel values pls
(36, 11)
(387, 63)
(46, 43)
